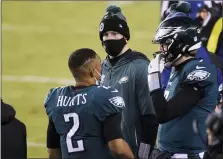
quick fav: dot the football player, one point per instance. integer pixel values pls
(191, 92)
(202, 52)
(84, 119)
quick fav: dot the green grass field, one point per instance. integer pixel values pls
(37, 38)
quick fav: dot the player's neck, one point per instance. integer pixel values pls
(182, 59)
(85, 83)
(125, 48)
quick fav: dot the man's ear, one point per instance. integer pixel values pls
(102, 43)
(91, 72)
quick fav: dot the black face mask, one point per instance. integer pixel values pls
(114, 47)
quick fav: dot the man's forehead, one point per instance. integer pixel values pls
(111, 32)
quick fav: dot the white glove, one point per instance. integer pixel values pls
(155, 68)
(156, 64)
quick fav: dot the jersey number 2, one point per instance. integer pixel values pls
(76, 123)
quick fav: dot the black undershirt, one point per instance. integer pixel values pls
(149, 126)
(53, 138)
(112, 127)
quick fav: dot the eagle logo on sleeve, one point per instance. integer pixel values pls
(123, 80)
(198, 75)
(117, 101)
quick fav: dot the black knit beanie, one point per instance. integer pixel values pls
(114, 20)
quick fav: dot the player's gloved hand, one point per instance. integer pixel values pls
(156, 64)
(144, 151)
(155, 68)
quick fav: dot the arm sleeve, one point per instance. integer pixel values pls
(148, 119)
(112, 128)
(149, 126)
(53, 138)
(142, 89)
(47, 98)
(194, 80)
(166, 111)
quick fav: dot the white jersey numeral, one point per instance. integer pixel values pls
(71, 133)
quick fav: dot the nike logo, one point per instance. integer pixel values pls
(197, 67)
(115, 90)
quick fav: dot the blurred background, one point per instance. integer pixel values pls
(37, 39)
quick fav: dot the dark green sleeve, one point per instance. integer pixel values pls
(109, 102)
(199, 76)
(47, 98)
(142, 88)
(47, 101)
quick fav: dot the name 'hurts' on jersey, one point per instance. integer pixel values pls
(71, 109)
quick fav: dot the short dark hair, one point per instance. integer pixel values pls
(204, 8)
(79, 57)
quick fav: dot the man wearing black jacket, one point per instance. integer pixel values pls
(126, 70)
(13, 134)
